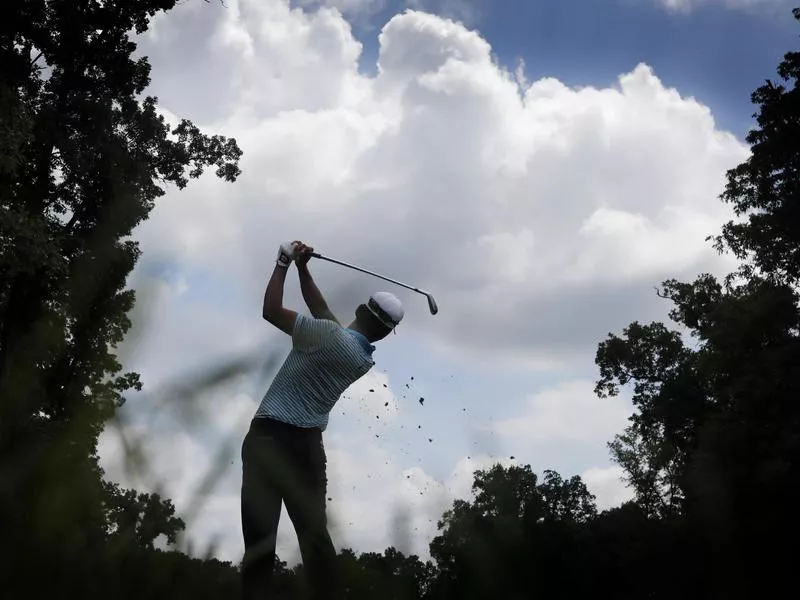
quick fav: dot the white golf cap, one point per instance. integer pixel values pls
(387, 308)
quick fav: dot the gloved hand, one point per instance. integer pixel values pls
(286, 254)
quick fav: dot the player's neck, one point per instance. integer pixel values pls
(354, 326)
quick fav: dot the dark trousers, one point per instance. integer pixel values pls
(284, 464)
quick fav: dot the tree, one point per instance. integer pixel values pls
(89, 168)
(138, 518)
(518, 535)
(391, 575)
(83, 158)
(766, 187)
(670, 399)
(566, 500)
(720, 422)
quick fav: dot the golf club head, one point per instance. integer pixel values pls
(432, 304)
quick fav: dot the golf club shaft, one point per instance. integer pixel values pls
(344, 264)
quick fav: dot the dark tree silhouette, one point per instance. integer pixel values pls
(716, 436)
(518, 537)
(83, 158)
(765, 188)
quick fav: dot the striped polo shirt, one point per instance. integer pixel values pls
(325, 359)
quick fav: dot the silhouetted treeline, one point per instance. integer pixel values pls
(711, 451)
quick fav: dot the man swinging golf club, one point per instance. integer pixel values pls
(283, 457)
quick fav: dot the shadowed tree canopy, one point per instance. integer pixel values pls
(716, 433)
(670, 401)
(140, 519)
(84, 155)
(766, 187)
(516, 530)
(87, 159)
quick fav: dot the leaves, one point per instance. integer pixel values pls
(766, 187)
(138, 518)
(82, 161)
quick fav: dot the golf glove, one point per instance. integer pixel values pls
(286, 253)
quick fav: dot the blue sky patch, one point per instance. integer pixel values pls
(716, 54)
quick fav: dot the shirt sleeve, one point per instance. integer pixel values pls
(310, 334)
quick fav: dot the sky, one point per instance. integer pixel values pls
(539, 167)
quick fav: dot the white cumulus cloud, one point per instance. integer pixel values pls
(568, 412)
(540, 216)
(442, 172)
(608, 486)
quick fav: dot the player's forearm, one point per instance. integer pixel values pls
(273, 296)
(311, 294)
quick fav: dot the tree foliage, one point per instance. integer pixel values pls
(766, 187)
(84, 155)
(515, 531)
(718, 421)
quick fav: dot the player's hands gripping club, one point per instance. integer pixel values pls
(286, 254)
(302, 254)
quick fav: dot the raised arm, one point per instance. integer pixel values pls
(273, 310)
(311, 294)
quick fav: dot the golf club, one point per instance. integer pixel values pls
(431, 302)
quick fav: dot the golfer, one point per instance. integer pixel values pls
(283, 457)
